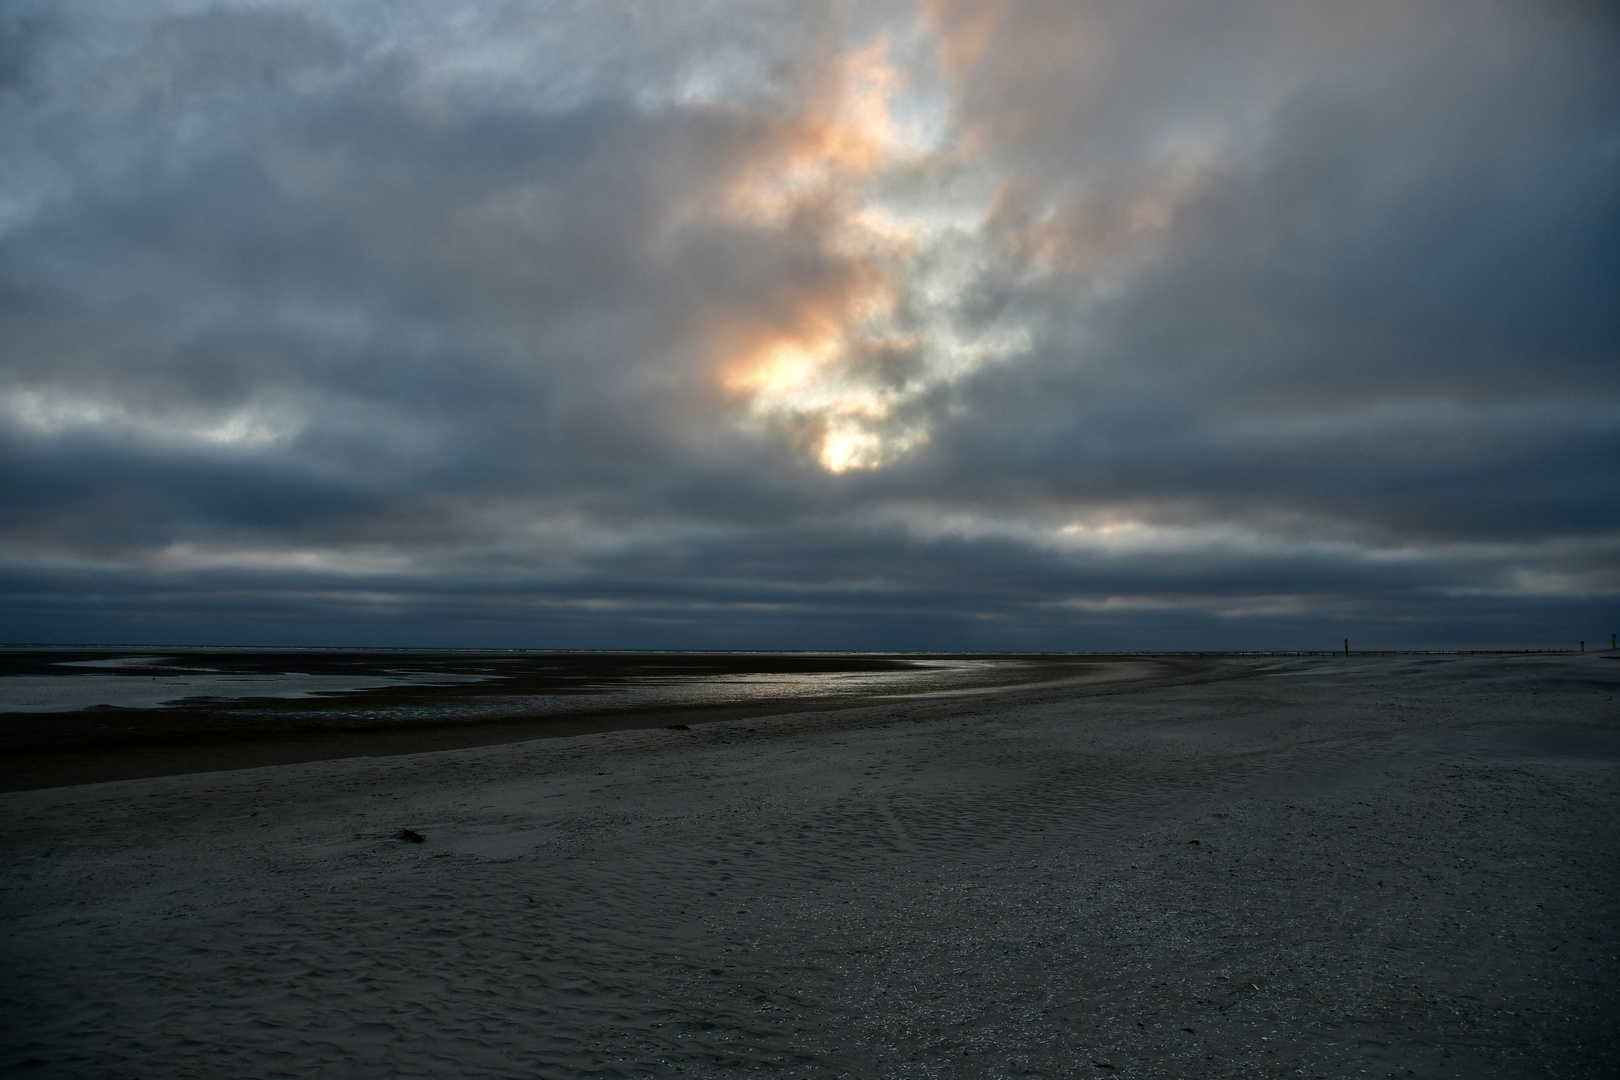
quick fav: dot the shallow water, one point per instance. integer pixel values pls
(72, 691)
(157, 681)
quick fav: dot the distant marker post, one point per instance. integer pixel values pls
(1347, 646)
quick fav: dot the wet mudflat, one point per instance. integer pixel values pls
(70, 716)
(1392, 866)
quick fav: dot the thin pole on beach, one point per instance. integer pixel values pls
(1347, 646)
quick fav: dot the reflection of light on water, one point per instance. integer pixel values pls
(926, 677)
(70, 692)
(67, 693)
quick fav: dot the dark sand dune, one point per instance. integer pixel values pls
(1393, 866)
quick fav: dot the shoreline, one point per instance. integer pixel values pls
(100, 745)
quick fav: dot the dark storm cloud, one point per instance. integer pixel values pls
(1392, 310)
(972, 325)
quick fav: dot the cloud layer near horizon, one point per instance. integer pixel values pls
(810, 325)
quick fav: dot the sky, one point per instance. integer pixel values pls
(810, 324)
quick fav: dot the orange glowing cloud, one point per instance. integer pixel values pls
(840, 360)
(1092, 225)
(809, 382)
(798, 370)
(843, 131)
(965, 28)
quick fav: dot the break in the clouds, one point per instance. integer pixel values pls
(810, 324)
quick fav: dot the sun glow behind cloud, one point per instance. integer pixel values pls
(854, 376)
(1072, 315)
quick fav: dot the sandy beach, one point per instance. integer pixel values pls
(1324, 867)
